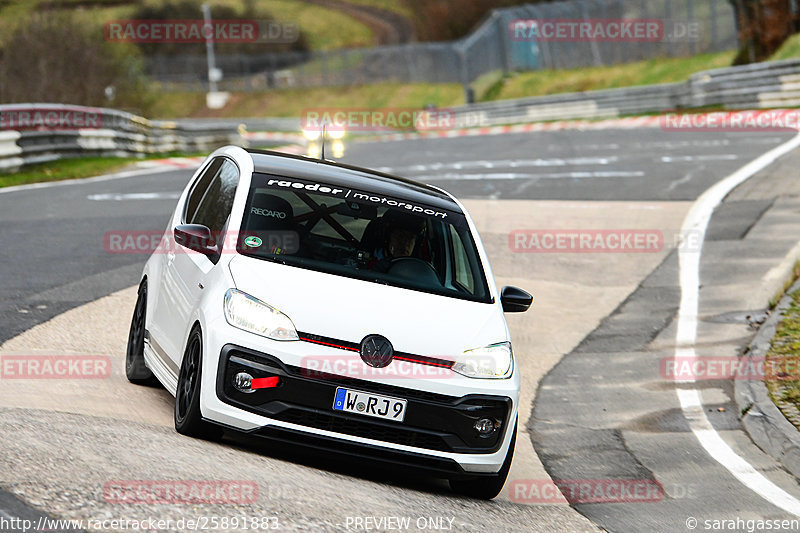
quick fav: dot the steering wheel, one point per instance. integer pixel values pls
(414, 268)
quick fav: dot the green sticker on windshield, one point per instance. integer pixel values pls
(253, 242)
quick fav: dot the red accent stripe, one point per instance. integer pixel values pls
(447, 364)
(329, 344)
(421, 362)
(264, 383)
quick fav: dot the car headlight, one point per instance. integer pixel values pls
(312, 134)
(251, 314)
(495, 361)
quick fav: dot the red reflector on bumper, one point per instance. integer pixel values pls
(264, 383)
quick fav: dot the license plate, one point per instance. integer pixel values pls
(366, 403)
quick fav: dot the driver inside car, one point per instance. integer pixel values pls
(402, 235)
(401, 243)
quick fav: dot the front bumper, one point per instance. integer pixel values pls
(437, 434)
(303, 397)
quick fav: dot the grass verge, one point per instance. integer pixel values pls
(782, 365)
(661, 70)
(783, 362)
(292, 102)
(325, 28)
(789, 49)
(67, 169)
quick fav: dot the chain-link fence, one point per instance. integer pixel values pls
(511, 39)
(415, 62)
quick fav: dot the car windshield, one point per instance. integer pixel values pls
(361, 235)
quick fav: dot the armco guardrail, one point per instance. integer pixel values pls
(594, 104)
(36, 133)
(760, 85)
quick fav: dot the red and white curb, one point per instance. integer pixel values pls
(624, 123)
(762, 120)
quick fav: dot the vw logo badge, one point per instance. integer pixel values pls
(376, 351)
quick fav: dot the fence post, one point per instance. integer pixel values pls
(714, 29)
(690, 17)
(502, 40)
(411, 66)
(469, 95)
(668, 12)
(598, 61)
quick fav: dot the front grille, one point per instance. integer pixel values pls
(355, 347)
(365, 429)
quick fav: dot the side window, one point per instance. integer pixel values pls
(462, 272)
(216, 203)
(200, 188)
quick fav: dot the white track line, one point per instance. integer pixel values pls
(504, 163)
(521, 175)
(691, 404)
(135, 196)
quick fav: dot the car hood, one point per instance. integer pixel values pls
(349, 309)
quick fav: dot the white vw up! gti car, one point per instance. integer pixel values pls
(316, 303)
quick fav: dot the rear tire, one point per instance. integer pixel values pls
(188, 420)
(135, 368)
(484, 487)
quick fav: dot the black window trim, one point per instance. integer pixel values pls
(200, 175)
(215, 258)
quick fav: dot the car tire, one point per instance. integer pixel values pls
(188, 420)
(135, 368)
(486, 488)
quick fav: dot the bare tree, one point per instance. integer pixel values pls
(763, 26)
(55, 57)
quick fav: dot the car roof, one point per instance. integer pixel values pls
(351, 177)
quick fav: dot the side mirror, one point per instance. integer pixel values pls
(515, 300)
(196, 237)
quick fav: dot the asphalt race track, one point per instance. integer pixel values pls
(593, 343)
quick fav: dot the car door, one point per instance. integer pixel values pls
(208, 204)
